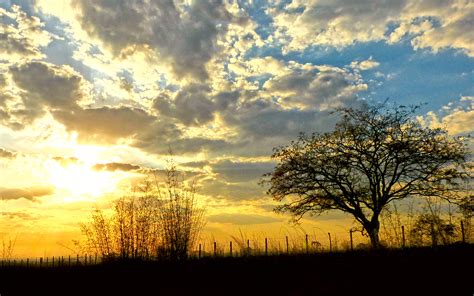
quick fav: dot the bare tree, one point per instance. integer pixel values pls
(375, 155)
(159, 219)
(180, 217)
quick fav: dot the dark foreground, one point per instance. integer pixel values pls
(443, 271)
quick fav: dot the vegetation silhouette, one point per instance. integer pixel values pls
(374, 156)
(161, 220)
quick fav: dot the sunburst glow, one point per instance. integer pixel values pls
(80, 179)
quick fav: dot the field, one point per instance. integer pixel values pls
(417, 271)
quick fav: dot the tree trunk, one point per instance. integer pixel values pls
(373, 231)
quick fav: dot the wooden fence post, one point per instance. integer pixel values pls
(69, 261)
(350, 234)
(403, 236)
(230, 248)
(463, 234)
(27, 262)
(199, 256)
(248, 247)
(95, 260)
(266, 247)
(215, 249)
(330, 242)
(307, 246)
(77, 259)
(287, 245)
(41, 261)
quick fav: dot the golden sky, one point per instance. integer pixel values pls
(93, 94)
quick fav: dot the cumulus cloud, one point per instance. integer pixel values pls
(32, 88)
(365, 65)
(314, 88)
(338, 23)
(30, 193)
(335, 23)
(181, 33)
(105, 124)
(6, 153)
(194, 104)
(458, 118)
(455, 32)
(57, 87)
(21, 36)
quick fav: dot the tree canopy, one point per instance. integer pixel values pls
(375, 155)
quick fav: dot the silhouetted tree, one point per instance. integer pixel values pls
(181, 219)
(375, 155)
(161, 218)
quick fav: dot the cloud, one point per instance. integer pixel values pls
(58, 87)
(191, 105)
(318, 88)
(338, 23)
(458, 118)
(21, 36)
(236, 171)
(453, 33)
(194, 104)
(242, 219)
(30, 193)
(33, 88)
(365, 65)
(105, 124)
(6, 154)
(184, 35)
(65, 161)
(221, 189)
(21, 215)
(116, 166)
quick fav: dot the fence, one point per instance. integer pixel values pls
(52, 262)
(237, 247)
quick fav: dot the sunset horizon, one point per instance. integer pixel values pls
(96, 97)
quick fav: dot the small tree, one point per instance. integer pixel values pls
(180, 218)
(375, 155)
(160, 219)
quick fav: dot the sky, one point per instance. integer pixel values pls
(94, 94)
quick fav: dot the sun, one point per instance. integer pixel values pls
(79, 179)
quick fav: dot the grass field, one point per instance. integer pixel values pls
(421, 271)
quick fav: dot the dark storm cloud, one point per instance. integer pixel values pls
(30, 193)
(183, 35)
